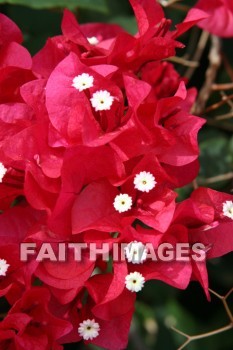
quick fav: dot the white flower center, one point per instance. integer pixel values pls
(228, 209)
(136, 252)
(3, 267)
(122, 202)
(134, 281)
(102, 100)
(93, 40)
(83, 81)
(89, 329)
(3, 171)
(144, 181)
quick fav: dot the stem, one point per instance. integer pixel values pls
(224, 126)
(218, 104)
(183, 61)
(198, 54)
(224, 301)
(166, 3)
(224, 116)
(228, 86)
(228, 66)
(195, 184)
(190, 338)
(209, 334)
(229, 293)
(217, 178)
(211, 73)
(184, 345)
(228, 311)
(183, 8)
(225, 97)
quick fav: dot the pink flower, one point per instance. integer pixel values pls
(220, 17)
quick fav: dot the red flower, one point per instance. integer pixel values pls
(204, 215)
(30, 325)
(95, 136)
(9, 31)
(15, 224)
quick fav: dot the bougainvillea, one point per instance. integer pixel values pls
(96, 135)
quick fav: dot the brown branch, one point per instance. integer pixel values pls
(183, 8)
(198, 53)
(227, 86)
(190, 338)
(211, 73)
(183, 61)
(216, 105)
(224, 126)
(173, 4)
(217, 178)
(224, 301)
(224, 116)
(195, 184)
(227, 66)
(166, 3)
(225, 98)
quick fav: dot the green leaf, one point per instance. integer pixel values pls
(95, 5)
(127, 22)
(213, 156)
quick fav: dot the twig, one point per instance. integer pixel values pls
(225, 98)
(183, 61)
(173, 4)
(195, 184)
(227, 86)
(190, 338)
(217, 178)
(224, 126)
(227, 66)
(214, 64)
(194, 37)
(183, 8)
(224, 116)
(216, 105)
(224, 301)
(166, 3)
(199, 51)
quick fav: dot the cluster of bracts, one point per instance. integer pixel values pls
(95, 137)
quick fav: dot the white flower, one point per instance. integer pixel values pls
(122, 202)
(3, 267)
(83, 81)
(89, 329)
(228, 209)
(134, 281)
(93, 40)
(3, 171)
(136, 252)
(102, 100)
(144, 181)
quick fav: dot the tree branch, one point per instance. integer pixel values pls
(190, 338)
(211, 73)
